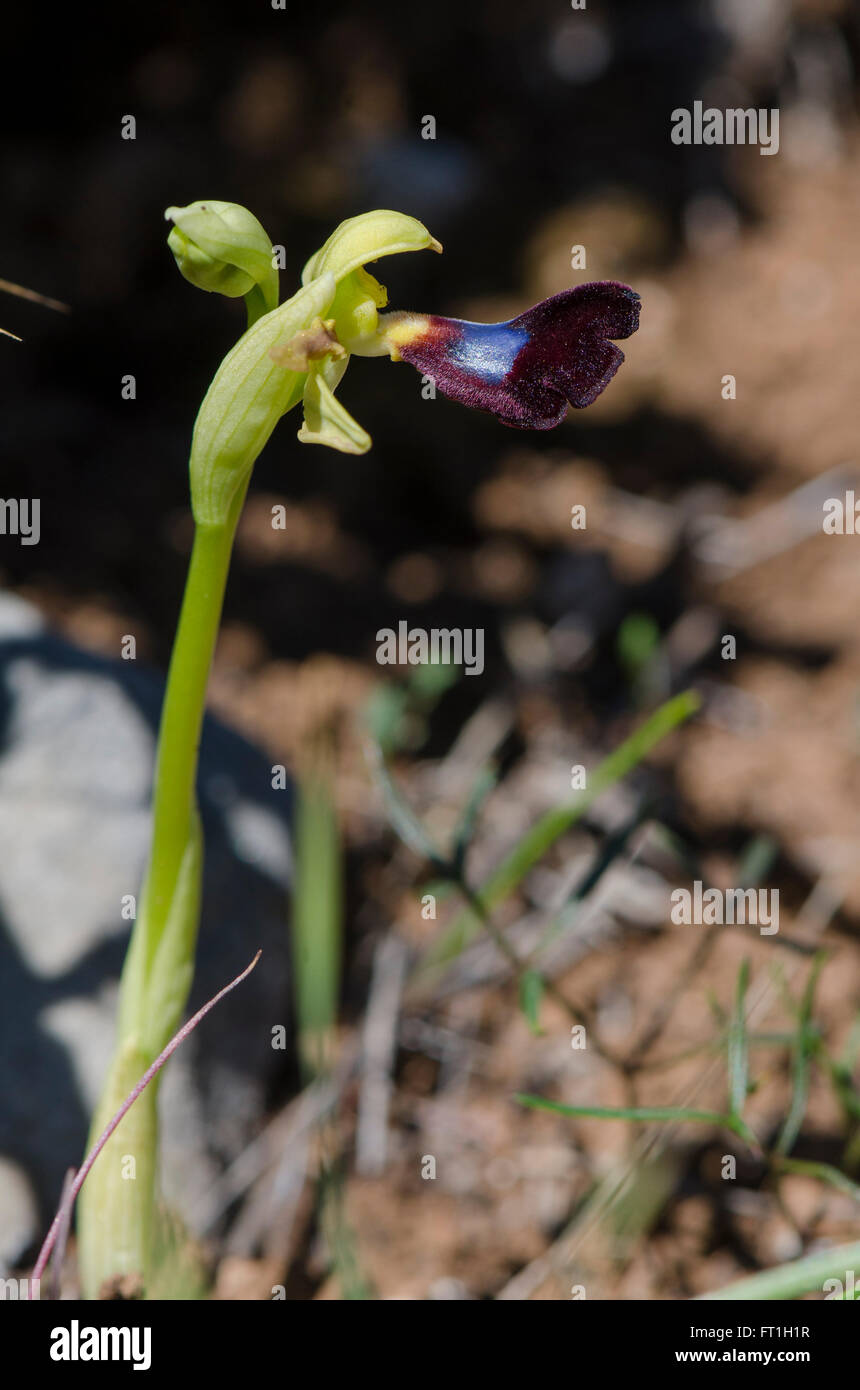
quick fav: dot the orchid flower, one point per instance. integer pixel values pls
(525, 371)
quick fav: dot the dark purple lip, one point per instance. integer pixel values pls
(525, 371)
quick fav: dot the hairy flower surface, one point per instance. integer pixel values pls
(525, 371)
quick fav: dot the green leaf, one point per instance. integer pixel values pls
(759, 855)
(638, 639)
(531, 994)
(429, 682)
(484, 784)
(317, 928)
(613, 847)
(825, 1172)
(791, 1280)
(115, 1216)
(851, 1051)
(384, 712)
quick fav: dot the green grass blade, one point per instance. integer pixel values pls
(555, 823)
(610, 851)
(354, 1284)
(642, 1114)
(791, 1280)
(317, 921)
(484, 784)
(738, 1047)
(402, 817)
(531, 993)
(759, 855)
(804, 1048)
(848, 1060)
(825, 1172)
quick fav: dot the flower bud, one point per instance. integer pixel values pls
(221, 247)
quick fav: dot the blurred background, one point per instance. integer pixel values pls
(552, 130)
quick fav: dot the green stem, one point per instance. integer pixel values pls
(116, 1217)
(256, 305)
(182, 713)
(184, 703)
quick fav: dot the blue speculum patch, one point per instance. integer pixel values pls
(487, 349)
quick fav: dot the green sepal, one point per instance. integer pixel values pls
(368, 237)
(247, 398)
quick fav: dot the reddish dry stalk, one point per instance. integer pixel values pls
(64, 1213)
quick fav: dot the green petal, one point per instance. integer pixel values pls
(366, 238)
(326, 421)
(356, 312)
